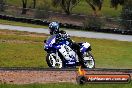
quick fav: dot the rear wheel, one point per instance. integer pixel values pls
(88, 60)
(54, 62)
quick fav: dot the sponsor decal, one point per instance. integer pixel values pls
(83, 77)
(108, 78)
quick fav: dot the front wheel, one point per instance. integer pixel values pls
(88, 60)
(54, 62)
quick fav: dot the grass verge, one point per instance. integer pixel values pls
(23, 49)
(67, 85)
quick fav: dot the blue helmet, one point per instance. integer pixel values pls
(54, 28)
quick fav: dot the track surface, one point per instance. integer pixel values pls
(64, 69)
(72, 33)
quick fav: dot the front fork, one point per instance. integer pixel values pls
(57, 60)
(56, 55)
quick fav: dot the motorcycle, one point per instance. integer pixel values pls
(62, 55)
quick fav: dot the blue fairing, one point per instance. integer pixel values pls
(83, 48)
(49, 43)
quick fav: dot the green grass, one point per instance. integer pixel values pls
(82, 7)
(28, 54)
(6, 22)
(67, 85)
(28, 51)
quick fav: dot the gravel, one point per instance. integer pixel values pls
(28, 77)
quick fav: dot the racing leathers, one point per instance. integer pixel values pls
(63, 36)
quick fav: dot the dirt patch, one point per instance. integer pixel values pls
(28, 77)
(31, 34)
(19, 41)
(18, 33)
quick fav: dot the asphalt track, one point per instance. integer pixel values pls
(72, 33)
(63, 69)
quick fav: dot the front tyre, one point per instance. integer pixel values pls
(54, 62)
(88, 60)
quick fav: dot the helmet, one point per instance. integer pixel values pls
(54, 28)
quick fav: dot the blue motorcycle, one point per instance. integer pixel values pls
(61, 55)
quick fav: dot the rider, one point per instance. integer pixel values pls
(63, 36)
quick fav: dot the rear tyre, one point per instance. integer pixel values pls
(88, 61)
